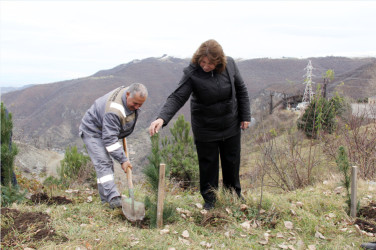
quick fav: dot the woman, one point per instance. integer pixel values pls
(219, 109)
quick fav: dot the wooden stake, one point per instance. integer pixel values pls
(353, 191)
(161, 193)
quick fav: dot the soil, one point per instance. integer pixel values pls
(367, 218)
(54, 200)
(144, 224)
(213, 219)
(30, 226)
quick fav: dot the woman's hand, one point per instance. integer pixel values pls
(155, 126)
(125, 165)
(244, 125)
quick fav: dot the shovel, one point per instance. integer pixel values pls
(133, 210)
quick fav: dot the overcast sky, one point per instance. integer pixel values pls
(49, 41)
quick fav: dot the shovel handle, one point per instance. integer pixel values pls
(129, 178)
(129, 170)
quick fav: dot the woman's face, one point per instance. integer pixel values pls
(206, 65)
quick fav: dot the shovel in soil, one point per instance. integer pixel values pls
(133, 210)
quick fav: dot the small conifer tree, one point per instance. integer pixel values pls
(71, 164)
(180, 154)
(320, 115)
(344, 167)
(9, 189)
(8, 149)
(151, 172)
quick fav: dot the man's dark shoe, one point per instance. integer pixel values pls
(115, 202)
(208, 206)
(369, 245)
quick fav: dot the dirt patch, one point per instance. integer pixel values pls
(369, 211)
(367, 224)
(54, 200)
(214, 219)
(144, 224)
(25, 228)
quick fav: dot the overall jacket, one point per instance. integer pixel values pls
(109, 119)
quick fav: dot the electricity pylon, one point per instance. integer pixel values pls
(308, 92)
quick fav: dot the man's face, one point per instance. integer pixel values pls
(135, 102)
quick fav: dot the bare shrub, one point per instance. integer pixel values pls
(285, 158)
(288, 162)
(357, 133)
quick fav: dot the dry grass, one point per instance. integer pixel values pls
(231, 225)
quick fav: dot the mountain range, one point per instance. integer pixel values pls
(48, 115)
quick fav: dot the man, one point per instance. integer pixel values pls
(111, 117)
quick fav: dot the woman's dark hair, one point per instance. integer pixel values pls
(213, 50)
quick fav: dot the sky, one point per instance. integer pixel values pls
(50, 41)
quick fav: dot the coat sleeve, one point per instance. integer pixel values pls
(110, 131)
(242, 96)
(176, 100)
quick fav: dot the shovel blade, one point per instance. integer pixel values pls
(133, 210)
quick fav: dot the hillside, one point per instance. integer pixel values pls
(48, 115)
(358, 84)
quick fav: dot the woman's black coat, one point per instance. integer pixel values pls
(213, 115)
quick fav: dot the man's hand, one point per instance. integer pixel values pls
(155, 126)
(125, 165)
